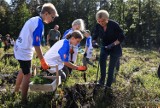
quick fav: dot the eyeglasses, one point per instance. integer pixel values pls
(53, 17)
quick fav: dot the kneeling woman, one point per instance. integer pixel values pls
(58, 54)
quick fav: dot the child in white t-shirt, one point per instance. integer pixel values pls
(77, 24)
(58, 54)
(29, 40)
(88, 49)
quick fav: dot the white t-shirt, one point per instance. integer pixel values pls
(90, 47)
(12, 42)
(58, 54)
(75, 48)
(69, 31)
(30, 36)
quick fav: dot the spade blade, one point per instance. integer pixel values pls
(158, 71)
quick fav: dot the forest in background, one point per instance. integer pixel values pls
(138, 18)
(137, 83)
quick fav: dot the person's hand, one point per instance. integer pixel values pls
(44, 65)
(82, 68)
(95, 44)
(108, 47)
(71, 51)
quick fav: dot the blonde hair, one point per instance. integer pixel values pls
(102, 14)
(50, 8)
(79, 22)
(76, 34)
(87, 31)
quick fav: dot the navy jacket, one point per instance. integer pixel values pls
(112, 33)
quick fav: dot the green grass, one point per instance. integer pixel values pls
(137, 84)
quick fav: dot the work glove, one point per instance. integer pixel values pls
(108, 47)
(71, 51)
(95, 45)
(82, 68)
(44, 65)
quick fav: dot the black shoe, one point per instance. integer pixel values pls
(100, 84)
(108, 91)
(108, 96)
(114, 80)
(24, 103)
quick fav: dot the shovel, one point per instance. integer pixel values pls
(84, 64)
(158, 71)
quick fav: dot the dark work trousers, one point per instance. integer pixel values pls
(118, 65)
(70, 69)
(66, 70)
(52, 42)
(112, 63)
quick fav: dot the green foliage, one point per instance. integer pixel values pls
(138, 18)
(136, 84)
(20, 16)
(41, 80)
(4, 17)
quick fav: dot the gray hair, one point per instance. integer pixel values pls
(79, 22)
(102, 14)
(87, 31)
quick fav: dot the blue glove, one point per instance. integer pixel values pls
(108, 47)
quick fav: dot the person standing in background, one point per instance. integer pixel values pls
(0, 41)
(53, 36)
(7, 42)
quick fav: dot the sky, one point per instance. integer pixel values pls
(8, 1)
